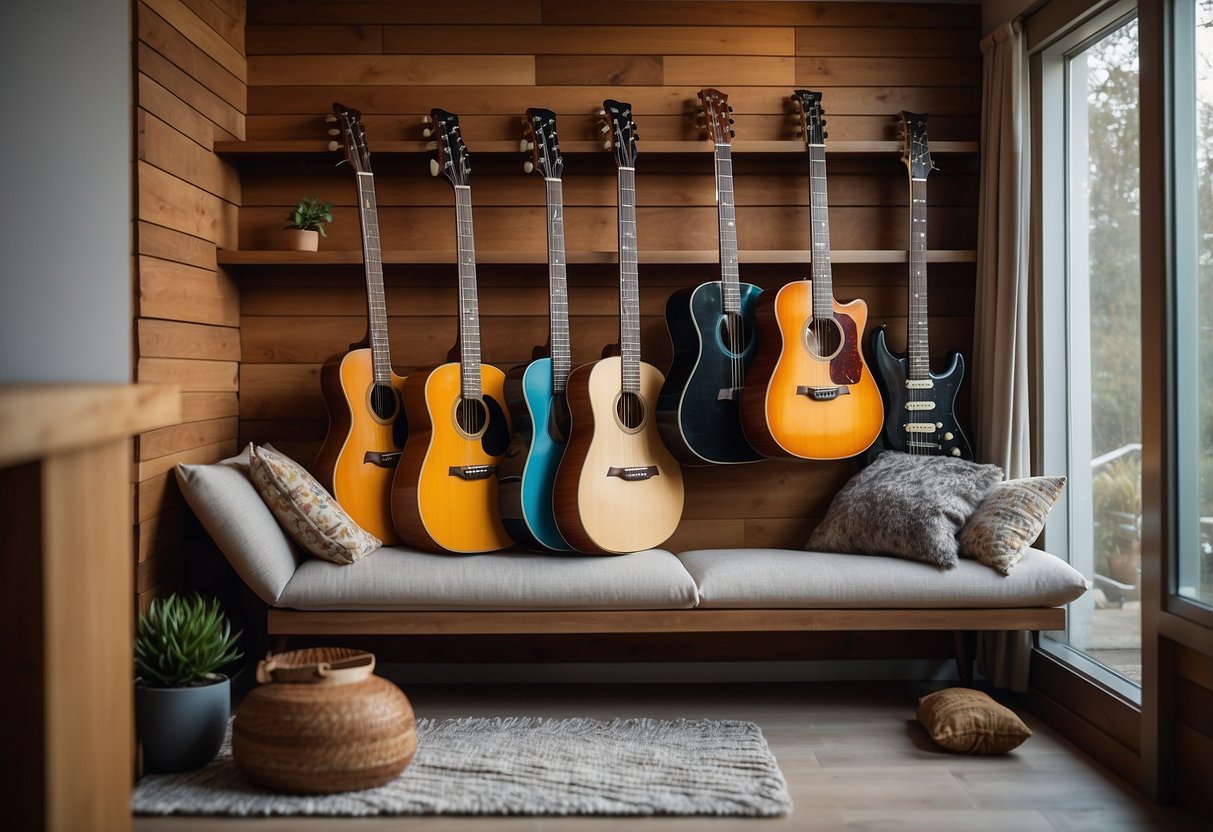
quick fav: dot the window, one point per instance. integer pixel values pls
(1092, 319)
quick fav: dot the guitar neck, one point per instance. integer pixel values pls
(726, 213)
(558, 293)
(372, 259)
(469, 307)
(819, 217)
(629, 282)
(916, 328)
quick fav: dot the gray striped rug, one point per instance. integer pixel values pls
(523, 766)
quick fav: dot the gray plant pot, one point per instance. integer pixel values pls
(181, 729)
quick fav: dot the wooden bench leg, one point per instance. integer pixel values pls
(962, 644)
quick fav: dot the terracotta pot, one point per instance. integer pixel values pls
(303, 240)
(321, 722)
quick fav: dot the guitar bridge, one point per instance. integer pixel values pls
(384, 459)
(823, 394)
(634, 473)
(472, 472)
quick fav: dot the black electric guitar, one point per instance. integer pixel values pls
(921, 405)
(713, 331)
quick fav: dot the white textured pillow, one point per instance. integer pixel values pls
(1008, 520)
(307, 512)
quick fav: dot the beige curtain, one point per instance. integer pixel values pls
(1000, 322)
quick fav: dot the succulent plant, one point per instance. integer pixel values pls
(183, 641)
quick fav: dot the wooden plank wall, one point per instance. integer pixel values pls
(191, 86)
(487, 62)
(1194, 729)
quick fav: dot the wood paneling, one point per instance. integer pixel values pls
(1194, 729)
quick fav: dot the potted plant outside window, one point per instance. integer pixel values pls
(306, 223)
(182, 702)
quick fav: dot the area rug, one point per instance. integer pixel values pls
(523, 766)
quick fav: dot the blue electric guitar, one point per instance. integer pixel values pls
(713, 331)
(921, 414)
(535, 392)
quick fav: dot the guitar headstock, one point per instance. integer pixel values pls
(812, 116)
(717, 116)
(915, 151)
(617, 123)
(539, 140)
(348, 126)
(452, 159)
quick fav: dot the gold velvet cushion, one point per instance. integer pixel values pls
(305, 510)
(970, 722)
(907, 506)
(1008, 520)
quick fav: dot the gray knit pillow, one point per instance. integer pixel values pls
(906, 506)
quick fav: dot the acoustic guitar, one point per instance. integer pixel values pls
(535, 392)
(920, 415)
(444, 494)
(713, 332)
(618, 489)
(367, 425)
(809, 393)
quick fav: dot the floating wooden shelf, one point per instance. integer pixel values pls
(347, 257)
(308, 146)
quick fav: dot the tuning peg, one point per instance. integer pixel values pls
(528, 166)
(434, 167)
(334, 146)
(732, 121)
(732, 133)
(431, 145)
(701, 124)
(427, 132)
(607, 145)
(427, 119)
(824, 135)
(602, 113)
(729, 107)
(333, 131)
(526, 145)
(699, 109)
(606, 128)
(331, 119)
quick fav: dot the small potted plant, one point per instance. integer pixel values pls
(306, 222)
(182, 702)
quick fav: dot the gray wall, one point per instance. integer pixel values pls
(65, 190)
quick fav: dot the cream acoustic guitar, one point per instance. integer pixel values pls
(809, 393)
(362, 394)
(444, 495)
(618, 489)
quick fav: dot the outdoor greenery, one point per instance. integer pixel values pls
(183, 641)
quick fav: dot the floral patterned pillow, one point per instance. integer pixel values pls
(1008, 520)
(305, 510)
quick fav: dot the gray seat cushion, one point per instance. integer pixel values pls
(780, 578)
(395, 578)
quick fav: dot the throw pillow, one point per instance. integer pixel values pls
(969, 721)
(306, 510)
(906, 505)
(1008, 520)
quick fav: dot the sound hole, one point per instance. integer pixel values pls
(472, 416)
(823, 337)
(383, 402)
(732, 333)
(629, 410)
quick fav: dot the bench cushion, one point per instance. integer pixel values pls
(396, 578)
(781, 578)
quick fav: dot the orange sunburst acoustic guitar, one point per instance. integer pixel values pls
(444, 495)
(809, 393)
(618, 489)
(363, 396)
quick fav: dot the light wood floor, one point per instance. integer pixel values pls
(853, 756)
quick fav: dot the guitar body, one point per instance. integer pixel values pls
(700, 426)
(891, 371)
(362, 487)
(527, 475)
(599, 510)
(444, 495)
(781, 412)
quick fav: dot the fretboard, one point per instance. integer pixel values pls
(629, 282)
(469, 309)
(558, 293)
(819, 218)
(727, 215)
(916, 328)
(372, 259)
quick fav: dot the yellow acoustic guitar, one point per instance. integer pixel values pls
(367, 426)
(444, 495)
(810, 393)
(618, 489)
